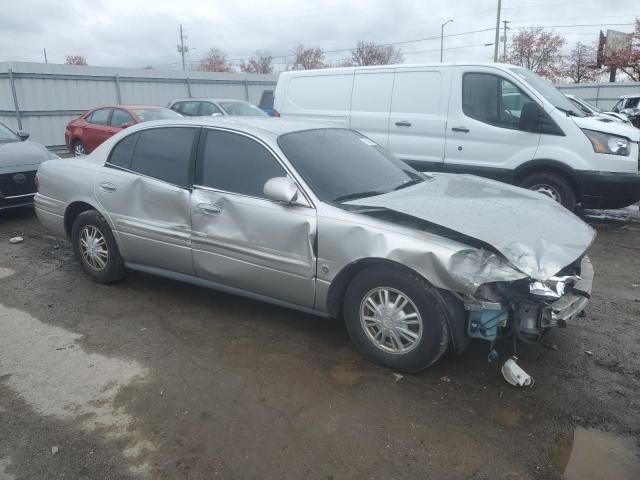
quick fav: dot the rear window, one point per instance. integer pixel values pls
(267, 99)
(150, 114)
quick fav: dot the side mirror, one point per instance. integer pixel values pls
(126, 125)
(22, 135)
(530, 117)
(281, 189)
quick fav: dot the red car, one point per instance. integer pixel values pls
(84, 134)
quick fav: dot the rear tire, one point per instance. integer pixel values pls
(78, 149)
(95, 248)
(407, 339)
(553, 185)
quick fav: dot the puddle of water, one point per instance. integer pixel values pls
(5, 272)
(45, 365)
(590, 454)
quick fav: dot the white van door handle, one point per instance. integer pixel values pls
(460, 129)
(209, 209)
(403, 123)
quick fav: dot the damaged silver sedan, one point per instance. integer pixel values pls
(325, 221)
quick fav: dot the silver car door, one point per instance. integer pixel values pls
(241, 239)
(144, 188)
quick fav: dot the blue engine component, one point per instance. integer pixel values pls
(484, 323)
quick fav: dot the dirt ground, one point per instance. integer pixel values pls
(150, 378)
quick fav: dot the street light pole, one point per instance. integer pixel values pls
(497, 41)
(442, 38)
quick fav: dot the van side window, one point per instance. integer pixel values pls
(492, 99)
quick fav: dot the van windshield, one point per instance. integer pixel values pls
(548, 91)
(341, 165)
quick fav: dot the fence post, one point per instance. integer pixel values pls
(15, 99)
(118, 96)
(598, 96)
(246, 89)
(189, 88)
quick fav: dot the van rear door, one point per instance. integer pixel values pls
(419, 115)
(483, 131)
(371, 103)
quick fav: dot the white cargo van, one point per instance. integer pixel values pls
(493, 120)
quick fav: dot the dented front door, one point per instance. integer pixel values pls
(241, 239)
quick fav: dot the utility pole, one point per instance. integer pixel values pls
(182, 48)
(497, 42)
(45, 55)
(504, 41)
(442, 38)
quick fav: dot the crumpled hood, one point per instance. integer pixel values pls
(614, 128)
(21, 156)
(536, 235)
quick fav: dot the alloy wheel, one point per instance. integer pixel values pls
(93, 248)
(391, 320)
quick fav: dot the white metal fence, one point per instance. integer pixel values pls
(603, 95)
(43, 98)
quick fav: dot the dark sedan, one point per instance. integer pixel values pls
(19, 161)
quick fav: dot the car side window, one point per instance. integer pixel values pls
(176, 106)
(99, 117)
(208, 108)
(190, 108)
(120, 117)
(266, 100)
(121, 154)
(165, 154)
(237, 164)
(492, 99)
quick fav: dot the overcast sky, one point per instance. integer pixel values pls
(137, 33)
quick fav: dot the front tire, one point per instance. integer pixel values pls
(95, 248)
(396, 319)
(552, 185)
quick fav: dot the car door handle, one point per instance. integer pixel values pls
(209, 209)
(108, 187)
(403, 123)
(460, 129)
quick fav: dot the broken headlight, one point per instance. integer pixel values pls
(609, 144)
(553, 288)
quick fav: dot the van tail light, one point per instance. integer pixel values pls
(37, 182)
(276, 113)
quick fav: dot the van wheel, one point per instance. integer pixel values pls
(396, 319)
(552, 185)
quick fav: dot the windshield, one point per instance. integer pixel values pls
(6, 135)
(243, 109)
(149, 114)
(590, 106)
(341, 165)
(548, 91)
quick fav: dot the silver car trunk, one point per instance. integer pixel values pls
(535, 234)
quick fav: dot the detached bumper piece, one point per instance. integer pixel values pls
(572, 303)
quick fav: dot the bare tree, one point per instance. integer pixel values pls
(627, 58)
(582, 64)
(261, 62)
(215, 61)
(368, 53)
(308, 58)
(538, 51)
(75, 59)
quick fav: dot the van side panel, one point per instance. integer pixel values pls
(324, 97)
(418, 117)
(371, 103)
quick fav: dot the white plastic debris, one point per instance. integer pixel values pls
(396, 377)
(588, 352)
(54, 450)
(16, 240)
(515, 375)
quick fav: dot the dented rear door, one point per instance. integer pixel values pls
(144, 189)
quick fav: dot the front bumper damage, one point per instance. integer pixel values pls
(571, 304)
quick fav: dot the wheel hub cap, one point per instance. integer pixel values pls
(391, 320)
(93, 248)
(547, 190)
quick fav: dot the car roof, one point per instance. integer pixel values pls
(259, 126)
(632, 95)
(129, 107)
(207, 99)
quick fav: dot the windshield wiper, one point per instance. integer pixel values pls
(355, 196)
(569, 113)
(408, 183)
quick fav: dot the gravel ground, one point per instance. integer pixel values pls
(150, 378)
